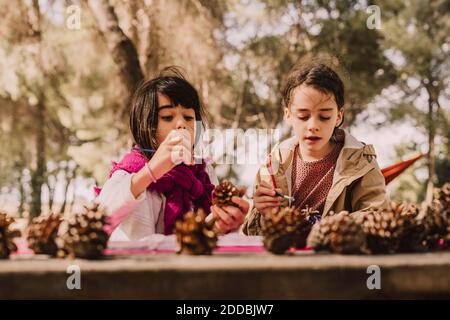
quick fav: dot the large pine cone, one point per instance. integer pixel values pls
(385, 230)
(42, 234)
(435, 223)
(86, 237)
(7, 245)
(411, 239)
(223, 193)
(195, 235)
(444, 198)
(338, 233)
(289, 227)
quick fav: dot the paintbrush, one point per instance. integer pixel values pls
(288, 198)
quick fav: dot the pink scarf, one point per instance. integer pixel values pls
(185, 188)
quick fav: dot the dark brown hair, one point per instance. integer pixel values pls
(317, 73)
(144, 107)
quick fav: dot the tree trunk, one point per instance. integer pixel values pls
(38, 175)
(122, 49)
(74, 189)
(431, 151)
(68, 179)
(22, 198)
(51, 190)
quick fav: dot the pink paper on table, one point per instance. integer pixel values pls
(154, 244)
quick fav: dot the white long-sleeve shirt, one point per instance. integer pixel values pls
(144, 214)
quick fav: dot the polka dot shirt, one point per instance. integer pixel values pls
(312, 180)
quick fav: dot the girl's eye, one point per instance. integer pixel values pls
(188, 118)
(321, 118)
(167, 118)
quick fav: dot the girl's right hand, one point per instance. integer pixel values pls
(265, 199)
(175, 149)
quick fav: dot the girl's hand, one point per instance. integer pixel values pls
(265, 199)
(175, 149)
(230, 218)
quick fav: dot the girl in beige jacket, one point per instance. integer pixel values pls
(322, 167)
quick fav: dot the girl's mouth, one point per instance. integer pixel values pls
(312, 139)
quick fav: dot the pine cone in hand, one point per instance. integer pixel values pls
(195, 235)
(223, 193)
(7, 245)
(86, 237)
(338, 233)
(42, 234)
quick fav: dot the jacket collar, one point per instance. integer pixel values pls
(355, 158)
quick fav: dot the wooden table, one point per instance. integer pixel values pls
(304, 275)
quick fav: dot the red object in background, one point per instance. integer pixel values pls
(391, 172)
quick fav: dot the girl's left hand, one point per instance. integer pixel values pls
(230, 218)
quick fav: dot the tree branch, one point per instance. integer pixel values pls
(122, 49)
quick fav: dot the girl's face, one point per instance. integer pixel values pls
(313, 116)
(172, 117)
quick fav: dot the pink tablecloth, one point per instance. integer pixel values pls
(22, 249)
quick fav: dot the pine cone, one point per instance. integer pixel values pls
(411, 239)
(284, 229)
(411, 210)
(308, 218)
(338, 233)
(384, 230)
(42, 234)
(447, 237)
(7, 246)
(444, 198)
(223, 193)
(86, 237)
(396, 207)
(194, 234)
(413, 235)
(435, 223)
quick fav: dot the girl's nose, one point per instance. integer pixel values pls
(312, 126)
(181, 123)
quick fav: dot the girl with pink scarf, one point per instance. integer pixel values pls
(158, 181)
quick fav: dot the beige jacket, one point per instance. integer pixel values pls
(357, 182)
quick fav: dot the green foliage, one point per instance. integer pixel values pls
(237, 53)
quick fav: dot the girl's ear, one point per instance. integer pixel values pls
(287, 115)
(340, 117)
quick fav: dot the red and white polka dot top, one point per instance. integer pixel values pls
(312, 180)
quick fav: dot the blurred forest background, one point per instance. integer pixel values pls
(68, 68)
